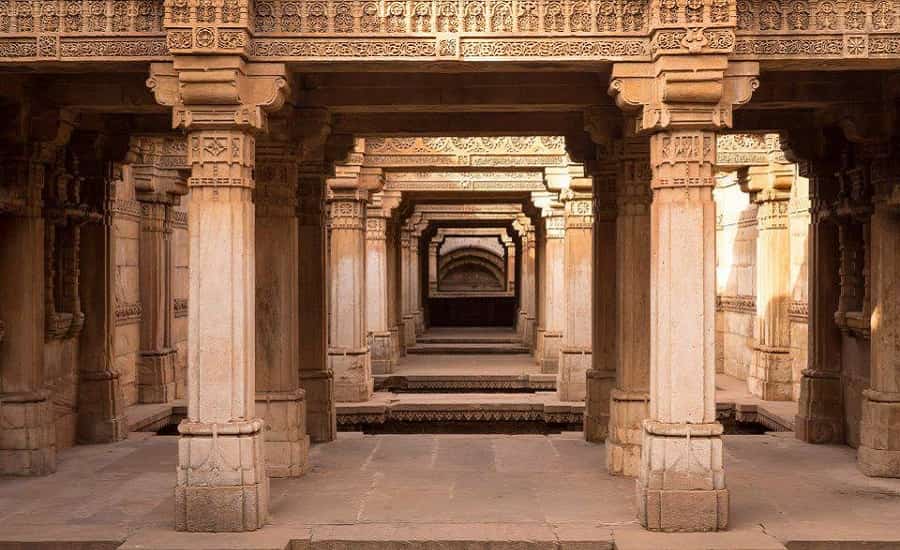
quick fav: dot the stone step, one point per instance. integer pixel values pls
(468, 340)
(465, 382)
(386, 407)
(468, 348)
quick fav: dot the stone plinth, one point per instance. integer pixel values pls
(27, 434)
(549, 344)
(321, 419)
(352, 374)
(156, 376)
(571, 380)
(627, 411)
(221, 482)
(596, 418)
(286, 441)
(381, 348)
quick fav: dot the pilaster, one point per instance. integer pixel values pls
(222, 102)
(683, 96)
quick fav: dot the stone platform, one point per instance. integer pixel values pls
(449, 492)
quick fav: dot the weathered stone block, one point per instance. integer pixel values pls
(321, 418)
(623, 445)
(600, 385)
(381, 350)
(286, 440)
(353, 380)
(550, 347)
(221, 480)
(156, 376)
(771, 375)
(879, 450)
(571, 380)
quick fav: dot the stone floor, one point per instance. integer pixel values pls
(448, 491)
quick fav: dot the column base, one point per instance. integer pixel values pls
(879, 448)
(156, 376)
(600, 384)
(771, 375)
(530, 332)
(27, 434)
(550, 344)
(571, 380)
(627, 412)
(286, 441)
(101, 415)
(682, 482)
(409, 330)
(352, 369)
(538, 344)
(321, 416)
(420, 322)
(820, 419)
(221, 484)
(397, 350)
(381, 351)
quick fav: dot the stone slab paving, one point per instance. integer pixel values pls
(444, 492)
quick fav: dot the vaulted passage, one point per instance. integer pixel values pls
(641, 231)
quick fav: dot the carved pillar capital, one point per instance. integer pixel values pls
(233, 94)
(683, 92)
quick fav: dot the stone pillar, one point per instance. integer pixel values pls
(575, 353)
(280, 401)
(527, 290)
(316, 376)
(682, 101)
(348, 349)
(27, 426)
(630, 399)
(406, 275)
(415, 259)
(157, 189)
(602, 374)
(395, 325)
(433, 248)
(771, 373)
(221, 482)
(551, 335)
(821, 411)
(101, 403)
(879, 450)
(381, 346)
(510, 263)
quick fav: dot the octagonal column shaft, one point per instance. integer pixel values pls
(575, 356)
(377, 292)
(682, 451)
(630, 399)
(348, 349)
(222, 483)
(879, 450)
(601, 376)
(280, 401)
(553, 295)
(407, 276)
(27, 427)
(316, 376)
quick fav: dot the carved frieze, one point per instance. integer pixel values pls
(129, 313)
(464, 181)
(736, 304)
